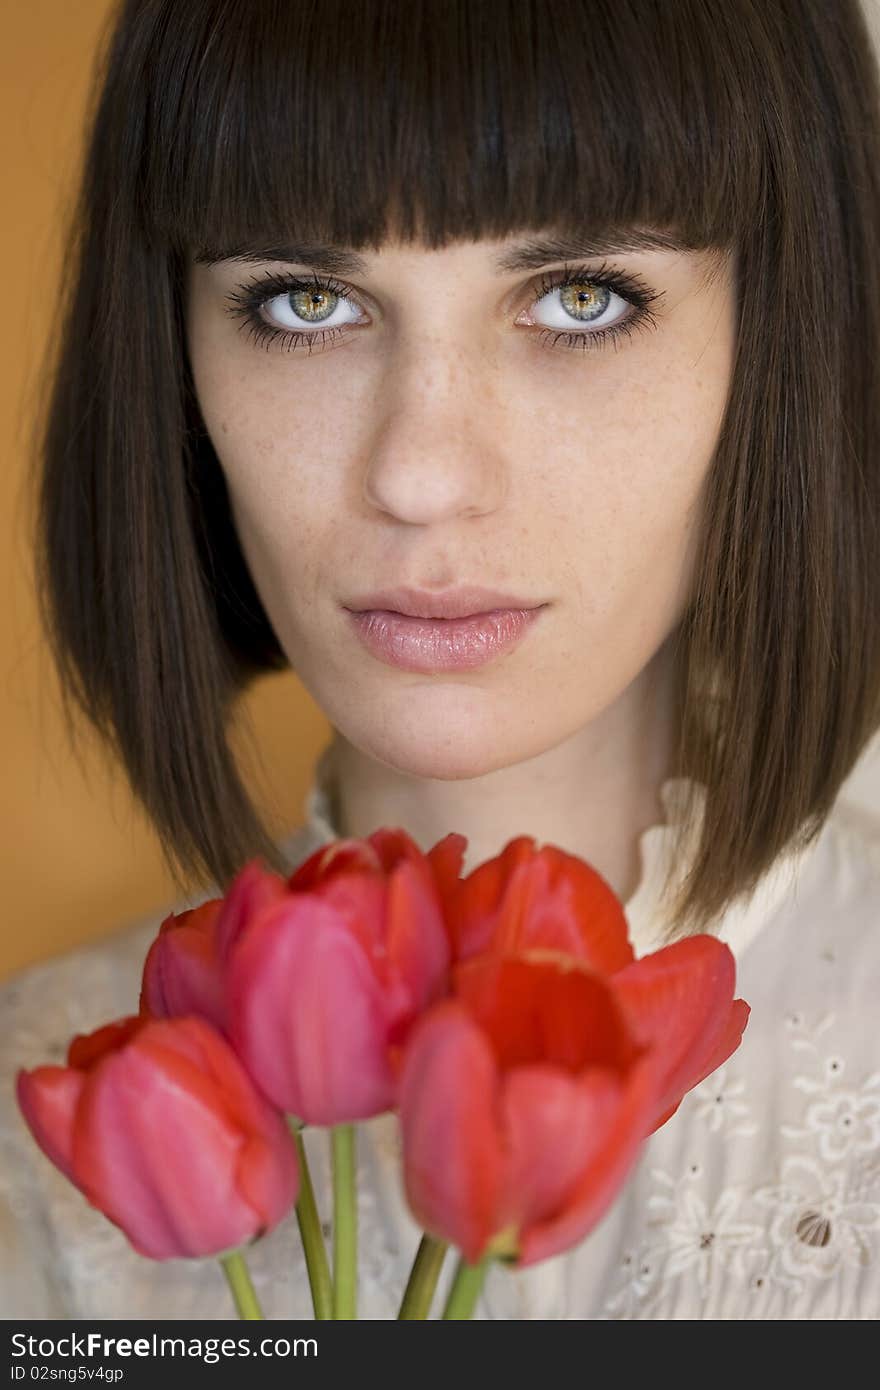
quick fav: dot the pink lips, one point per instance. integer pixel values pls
(441, 644)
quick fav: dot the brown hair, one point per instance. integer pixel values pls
(751, 126)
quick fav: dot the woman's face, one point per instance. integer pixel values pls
(441, 434)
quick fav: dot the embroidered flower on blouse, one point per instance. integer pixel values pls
(820, 1221)
(842, 1121)
(699, 1236)
(717, 1102)
(846, 1123)
(640, 1269)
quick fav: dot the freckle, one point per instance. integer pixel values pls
(224, 427)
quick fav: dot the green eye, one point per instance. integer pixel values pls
(313, 305)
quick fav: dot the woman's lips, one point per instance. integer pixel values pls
(441, 644)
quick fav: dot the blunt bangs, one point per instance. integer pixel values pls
(355, 124)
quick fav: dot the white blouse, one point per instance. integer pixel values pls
(760, 1198)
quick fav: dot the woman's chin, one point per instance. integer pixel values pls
(450, 754)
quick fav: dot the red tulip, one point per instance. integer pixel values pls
(523, 1101)
(526, 897)
(325, 984)
(160, 1127)
(183, 970)
(679, 998)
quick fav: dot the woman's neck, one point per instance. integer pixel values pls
(593, 794)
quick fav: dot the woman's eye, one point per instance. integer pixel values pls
(576, 308)
(581, 305)
(313, 307)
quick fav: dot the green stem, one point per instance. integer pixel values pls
(423, 1277)
(344, 1222)
(310, 1230)
(465, 1288)
(236, 1271)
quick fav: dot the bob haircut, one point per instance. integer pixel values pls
(216, 126)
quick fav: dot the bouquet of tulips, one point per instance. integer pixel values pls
(501, 1015)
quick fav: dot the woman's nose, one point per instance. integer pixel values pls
(438, 451)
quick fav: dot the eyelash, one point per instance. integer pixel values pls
(246, 301)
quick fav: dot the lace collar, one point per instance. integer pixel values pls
(645, 909)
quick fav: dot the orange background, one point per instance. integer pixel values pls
(78, 857)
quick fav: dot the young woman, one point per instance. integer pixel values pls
(510, 372)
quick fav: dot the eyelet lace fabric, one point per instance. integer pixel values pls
(760, 1198)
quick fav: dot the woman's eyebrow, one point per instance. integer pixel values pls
(538, 251)
(530, 254)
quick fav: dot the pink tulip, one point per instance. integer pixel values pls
(324, 985)
(160, 1127)
(181, 972)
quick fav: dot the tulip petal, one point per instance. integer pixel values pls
(268, 1175)
(448, 1105)
(545, 1007)
(478, 904)
(342, 856)
(164, 1132)
(307, 1015)
(48, 1098)
(181, 973)
(85, 1049)
(565, 905)
(553, 1125)
(253, 889)
(726, 1046)
(678, 1000)
(394, 846)
(604, 1173)
(416, 942)
(526, 897)
(359, 881)
(446, 859)
(360, 902)
(268, 1164)
(155, 1152)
